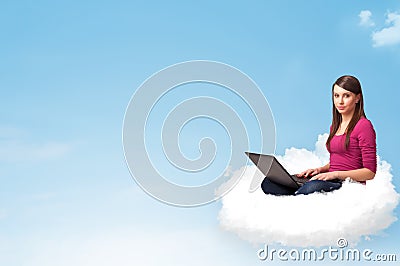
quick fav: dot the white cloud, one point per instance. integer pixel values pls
(310, 220)
(365, 18)
(389, 35)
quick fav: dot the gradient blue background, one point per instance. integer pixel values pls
(68, 70)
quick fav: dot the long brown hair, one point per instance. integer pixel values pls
(352, 84)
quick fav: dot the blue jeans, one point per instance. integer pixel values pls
(309, 187)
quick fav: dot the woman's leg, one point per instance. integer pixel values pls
(318, 186)
(273, 188)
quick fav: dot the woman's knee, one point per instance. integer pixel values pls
(318, 186)
(272, 188)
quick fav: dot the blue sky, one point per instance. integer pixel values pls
(68, 70)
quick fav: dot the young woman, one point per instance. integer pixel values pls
(351, 144)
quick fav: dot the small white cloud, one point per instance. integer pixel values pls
(365, 18)
(389, 35)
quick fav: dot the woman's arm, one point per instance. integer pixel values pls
(314, 171)
(367, 142)
(359, 175)
(324, 168)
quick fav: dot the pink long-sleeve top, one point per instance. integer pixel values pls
(361, 152)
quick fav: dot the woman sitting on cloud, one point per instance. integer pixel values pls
(351, 145)
(325, 217)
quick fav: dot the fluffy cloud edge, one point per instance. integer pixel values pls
(259, 218)
(386, 36)
(365, 18)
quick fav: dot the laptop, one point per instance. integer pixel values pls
(274, 171)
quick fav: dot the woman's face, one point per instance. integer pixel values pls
(345, 101)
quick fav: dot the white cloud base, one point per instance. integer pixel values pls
(318, 219)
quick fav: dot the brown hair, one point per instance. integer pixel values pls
(352, 84)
